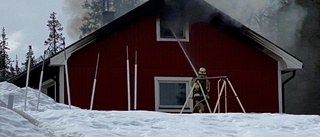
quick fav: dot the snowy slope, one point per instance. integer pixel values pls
(12, 125)
(57, 120)
(154, 124)
(19, 98)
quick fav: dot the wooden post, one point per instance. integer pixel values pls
(10, 101)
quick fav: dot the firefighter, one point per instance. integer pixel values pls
(197, 93)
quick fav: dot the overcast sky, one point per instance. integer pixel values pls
(25, 23)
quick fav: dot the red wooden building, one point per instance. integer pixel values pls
(160, 32)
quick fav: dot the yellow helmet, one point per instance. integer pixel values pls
(202, 71)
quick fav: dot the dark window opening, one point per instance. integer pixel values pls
(168, 28)
(172, 22)
(50, 93)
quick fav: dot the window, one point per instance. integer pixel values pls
(172, 30)
(171, 94)
(49, 88)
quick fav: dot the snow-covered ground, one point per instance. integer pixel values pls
(56, 119)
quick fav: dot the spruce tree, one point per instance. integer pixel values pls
(17, 69)
(12, 71)
(4, 57)
(30, 55)
(55, 40)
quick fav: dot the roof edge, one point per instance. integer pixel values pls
(287, 61)
(106, 29)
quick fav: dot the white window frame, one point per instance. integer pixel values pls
(185, 32)
(46, 85)
(168, 108)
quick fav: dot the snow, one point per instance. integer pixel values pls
(12, 124)
(55, 119)
(46, 103)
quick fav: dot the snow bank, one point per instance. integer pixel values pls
(13, 125)
(88, 123)
(58, 120)
(46, 103)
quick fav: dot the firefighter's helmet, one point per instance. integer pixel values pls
(202, 71)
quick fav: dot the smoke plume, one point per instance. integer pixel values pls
(73, 9)
(75, 12)
(303, 91)
(269, 18)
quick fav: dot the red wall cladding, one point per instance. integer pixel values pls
(252, 73)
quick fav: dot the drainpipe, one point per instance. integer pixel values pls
(283, 84)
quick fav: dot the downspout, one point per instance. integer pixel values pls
(283, 84)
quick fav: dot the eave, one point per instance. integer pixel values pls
(287, 61)
(58, 59)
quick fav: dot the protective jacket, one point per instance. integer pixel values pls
(205, 84)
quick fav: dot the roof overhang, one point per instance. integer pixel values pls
(287, 61)
(59, 59)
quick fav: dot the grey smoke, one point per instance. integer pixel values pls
(304, 96)
(73, 9)
(278, 13)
